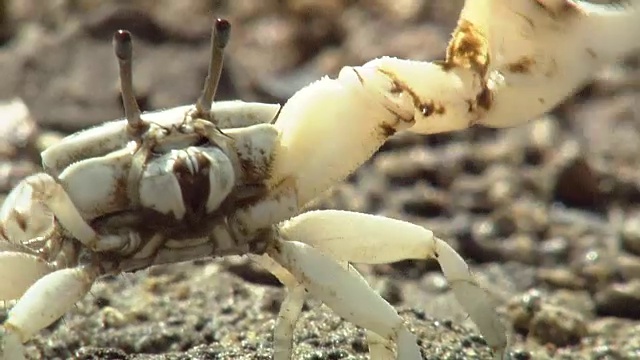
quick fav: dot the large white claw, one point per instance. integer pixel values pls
(371, 239)
(542, 51)
(508, 62)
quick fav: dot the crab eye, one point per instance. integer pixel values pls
(123, 48)
(220, 37)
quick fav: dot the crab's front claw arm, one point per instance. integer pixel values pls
(370, 239)
(328, 129)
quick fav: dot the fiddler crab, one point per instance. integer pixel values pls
(231, 178)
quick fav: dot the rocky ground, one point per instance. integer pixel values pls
(547, 214)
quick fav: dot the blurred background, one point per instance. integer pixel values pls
(548, 213)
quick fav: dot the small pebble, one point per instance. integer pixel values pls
(390, 291)
(521, 248)
(561, 277)
(619, 300)
(112, 317)
(577, 185)
(18, 128)
(558, 326)
(631, 233)
(629, 266)
(554, 250)
(522, 309)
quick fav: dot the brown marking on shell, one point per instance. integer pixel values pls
(432, 108)
(195, 188)
(255, 171)
(562, 10)
(426, 108)
(522, 65)
(20, 219)
(468, 49)
(387, 130)
(591, 53)
(485, 98)
(526, 18)
(398, 87)
(552, 70)
(121, 198)
(3, 233)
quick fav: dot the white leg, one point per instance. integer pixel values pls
(43, 189)
(371, 239)
(15, 282)
(379, 347)
(44, 302)
(286, 323)
(346, 293)
(10, 346)
(290, 308)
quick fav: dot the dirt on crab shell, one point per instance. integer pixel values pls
(547, 214)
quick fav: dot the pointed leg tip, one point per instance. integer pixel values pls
(122, 43)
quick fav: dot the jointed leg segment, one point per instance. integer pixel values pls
(363, 238)
(345, 292)
(32, 313)
(290, 308)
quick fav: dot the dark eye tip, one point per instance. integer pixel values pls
(222, 32)
(122, 44)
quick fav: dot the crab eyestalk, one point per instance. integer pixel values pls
(219, 39)
(123, 49)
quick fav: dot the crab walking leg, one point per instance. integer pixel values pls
(43, 188)
(290, 308)
(286, 322)
(15, 283)
(380, 348)
(345, 292)
(35, 310)
(370, 239)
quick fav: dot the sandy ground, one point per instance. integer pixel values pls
(547, 213)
